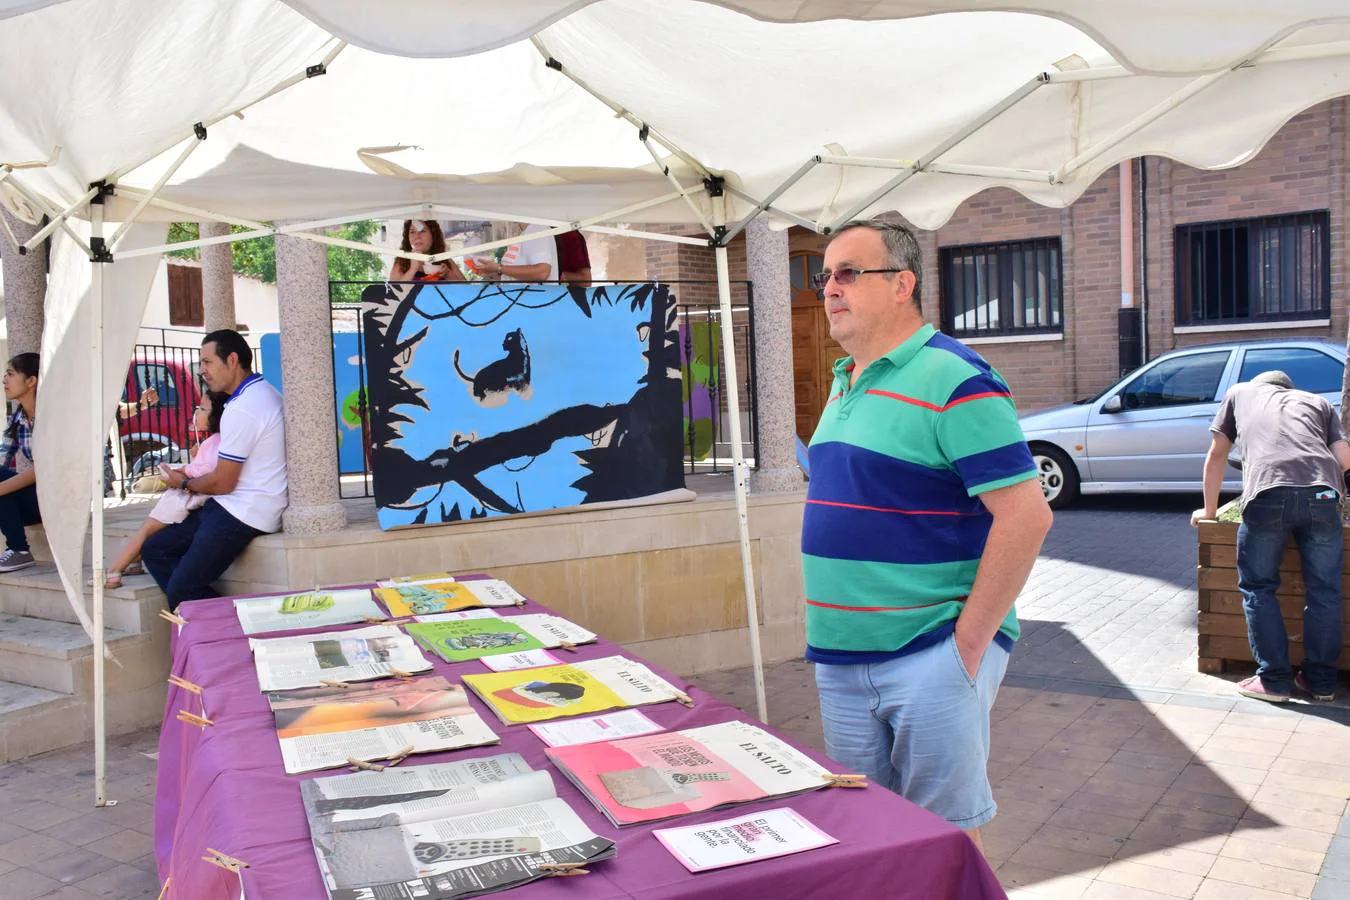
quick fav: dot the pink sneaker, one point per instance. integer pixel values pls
(1302, 684)
(1253, 688)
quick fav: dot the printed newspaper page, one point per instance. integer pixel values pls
(311, 609)
(360, 654)
(326, 726)
(748, 838)
(552, 692)
(645, 779)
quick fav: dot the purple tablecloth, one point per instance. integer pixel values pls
(224, 787)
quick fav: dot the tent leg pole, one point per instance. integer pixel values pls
(738, 457)
(96, 516)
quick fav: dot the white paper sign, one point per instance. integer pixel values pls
(461, 614)
(747, 838)
(606, 727)
(525, 659)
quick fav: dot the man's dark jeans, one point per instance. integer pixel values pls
(17, 509)
(1268, 520)
(185, 559)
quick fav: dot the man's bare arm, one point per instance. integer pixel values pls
(1216, 461)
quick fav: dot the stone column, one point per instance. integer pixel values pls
(766, 255)
(307, 388)
(25, 287)
(218, 280)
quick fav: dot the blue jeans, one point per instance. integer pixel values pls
(917, 725)
(1268, 519)
(17, 510)
(185, 559)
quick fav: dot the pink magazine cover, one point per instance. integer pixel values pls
(643, 779)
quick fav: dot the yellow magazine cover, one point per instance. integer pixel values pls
(551, 692)
(426, 599)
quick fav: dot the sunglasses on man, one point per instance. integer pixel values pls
(845, 276)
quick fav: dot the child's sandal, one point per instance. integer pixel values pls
(112, 581)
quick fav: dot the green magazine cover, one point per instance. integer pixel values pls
(465, 639)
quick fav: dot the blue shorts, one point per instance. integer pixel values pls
(917, 725)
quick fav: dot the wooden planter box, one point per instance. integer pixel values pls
(1221, 627)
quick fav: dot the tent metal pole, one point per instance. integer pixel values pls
(650, 235)
(96, 516)
(280, 86)
(41, 204)
(872, 162)
(966, 131)
(733, 395)
(767, 202)
(153, 192)
(58, 219)
(791, 217)
(619, 110)
(1138, 123)
(679, 188)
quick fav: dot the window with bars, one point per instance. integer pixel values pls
(1254, 270)
(1007, 288)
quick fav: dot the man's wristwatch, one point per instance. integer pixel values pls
(186, 482)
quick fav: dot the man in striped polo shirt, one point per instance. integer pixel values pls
(923, 518)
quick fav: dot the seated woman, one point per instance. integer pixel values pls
(176, 503)
(423, 237)
(18, 479)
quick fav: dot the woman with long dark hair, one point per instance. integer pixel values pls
(18, 479)
(423, 236)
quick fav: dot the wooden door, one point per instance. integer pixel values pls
(813, 350)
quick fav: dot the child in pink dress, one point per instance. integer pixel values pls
(176, 503)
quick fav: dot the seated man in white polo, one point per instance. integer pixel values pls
(247, 489)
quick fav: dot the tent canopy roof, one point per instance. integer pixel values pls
(748, 89)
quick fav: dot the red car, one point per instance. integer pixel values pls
(161, 433)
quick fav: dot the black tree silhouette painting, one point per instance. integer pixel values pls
(492, 398)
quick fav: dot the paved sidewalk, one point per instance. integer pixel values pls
(1120, 771)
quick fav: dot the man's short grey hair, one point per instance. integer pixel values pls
(902, 248)
(1275, 377)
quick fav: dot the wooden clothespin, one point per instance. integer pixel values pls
(185, 684)
(399, 757)
(224, 860)
(562, 870)
(568, 646)
(519, 604)
(400, 674)
(335, 684)
(375, 620)
(845, 781)
(685, 699)
(358, 765)
(172, 617)
(193, 719)
(164, 891)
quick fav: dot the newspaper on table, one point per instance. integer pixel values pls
(590, 730)
(309, 609)
(644, 779)
(747, 838)
(422, 598)
(360, 654)
(466, 639)
(590, 686)
(323, 727)
(395, 835)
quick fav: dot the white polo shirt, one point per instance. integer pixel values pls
(253, 432)
(539, 250)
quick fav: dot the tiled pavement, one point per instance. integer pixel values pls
(1120, 772)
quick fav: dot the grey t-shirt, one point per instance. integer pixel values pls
(1286, 437)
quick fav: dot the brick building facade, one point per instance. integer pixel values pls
(1269, 261)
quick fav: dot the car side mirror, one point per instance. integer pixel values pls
(1112, 405)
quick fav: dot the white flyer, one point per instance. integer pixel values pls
(525, 659)
(746, 838)
(604, 727)
(461, 614)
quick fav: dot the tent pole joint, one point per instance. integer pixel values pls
(644, 132)
(199, 130)
(553, 63)
(316, 70)
(719, 238)
(715, 185)
(99, 251)
(104, 191)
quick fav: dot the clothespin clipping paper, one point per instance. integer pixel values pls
(224, 860)
(361, 764)
(845, 781)
(193, 719)
(562, 870)
(172, 617)
(685, 699)
(186, 685)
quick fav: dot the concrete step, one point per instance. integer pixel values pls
(33, 720)
(48, 654)
(38, 593)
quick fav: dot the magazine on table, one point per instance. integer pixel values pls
(644, 779)
(421, 598)
(605, 727)
(523, 659)
(310, 609)
(590, 686)
(360, 654)
(475, 638)
(437, 832)
(326, 726)
(459, 615)
(747, 838)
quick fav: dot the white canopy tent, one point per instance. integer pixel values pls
(592, 114)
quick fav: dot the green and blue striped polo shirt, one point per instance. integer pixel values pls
(894, 529)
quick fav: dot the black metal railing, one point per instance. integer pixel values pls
(707, 448)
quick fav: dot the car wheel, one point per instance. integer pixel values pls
(1059, 476)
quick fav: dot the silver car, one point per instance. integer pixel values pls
(1150, 430)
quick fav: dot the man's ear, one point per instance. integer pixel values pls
(904, 285)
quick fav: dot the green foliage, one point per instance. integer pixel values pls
(257, 257)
